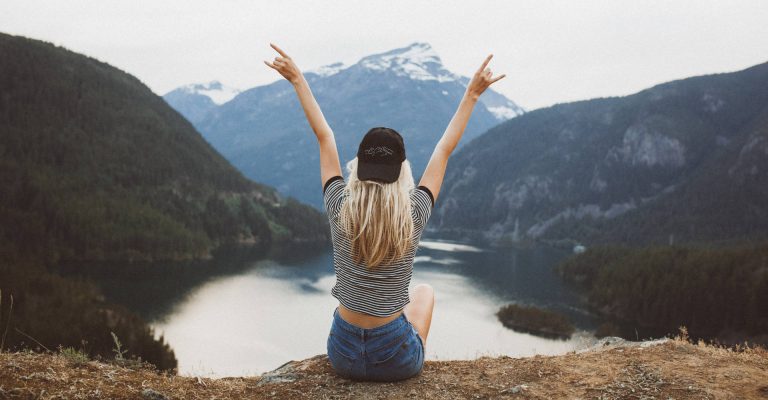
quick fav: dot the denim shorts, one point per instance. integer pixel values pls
(390, 352)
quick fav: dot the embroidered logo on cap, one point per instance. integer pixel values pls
(379, 151)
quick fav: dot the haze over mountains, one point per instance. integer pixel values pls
(679, 162)
(264, 133)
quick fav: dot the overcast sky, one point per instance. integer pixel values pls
(551, 51)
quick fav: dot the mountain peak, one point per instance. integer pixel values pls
(416, 52)
(417, 61)
(419, 48)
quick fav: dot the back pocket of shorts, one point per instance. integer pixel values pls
(398, 347)
(339, 358)
(341, 346)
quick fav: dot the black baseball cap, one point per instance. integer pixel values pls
(380, 155)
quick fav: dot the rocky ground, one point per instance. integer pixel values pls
(614, 369)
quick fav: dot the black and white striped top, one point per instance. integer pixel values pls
(383, 290)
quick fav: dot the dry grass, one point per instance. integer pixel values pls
(674, 369)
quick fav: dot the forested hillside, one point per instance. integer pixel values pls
(93, 165)
(719, 293)
(684, 161)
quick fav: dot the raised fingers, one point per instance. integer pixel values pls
(270, 65)
(498, 77)
(282, 53)
(485, 63)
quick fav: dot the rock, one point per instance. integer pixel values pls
(515, 389)
(617, 342)
(289, 372)
(151, 394)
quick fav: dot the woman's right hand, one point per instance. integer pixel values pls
(285, 66)
(482, 79)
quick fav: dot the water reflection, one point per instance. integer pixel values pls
(447, 246)
(274, 311)
(153, 289)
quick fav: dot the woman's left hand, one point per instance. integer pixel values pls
(285, 66)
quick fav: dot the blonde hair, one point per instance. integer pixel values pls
(376, 216)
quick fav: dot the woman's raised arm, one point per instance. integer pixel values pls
(435, 171)
(329, 155)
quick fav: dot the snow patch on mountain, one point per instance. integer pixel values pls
(417, 61)
(504, 112)
(497, 104)
(330, 69)
(214, 90)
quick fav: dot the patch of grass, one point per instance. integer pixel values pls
(73, 355)
(119, 352)
(121, 360)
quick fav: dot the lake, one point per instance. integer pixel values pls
(243, 314)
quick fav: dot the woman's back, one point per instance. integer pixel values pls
(382, 290)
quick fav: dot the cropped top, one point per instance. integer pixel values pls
(383, 290)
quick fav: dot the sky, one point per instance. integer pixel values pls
(550, 51)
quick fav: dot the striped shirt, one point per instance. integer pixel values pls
(383, 290)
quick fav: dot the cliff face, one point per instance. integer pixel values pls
(614, 369)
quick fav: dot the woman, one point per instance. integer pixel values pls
(379, 331)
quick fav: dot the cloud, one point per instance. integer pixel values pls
(552, 52)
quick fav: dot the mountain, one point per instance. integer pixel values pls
(683, 161)
(263, 131)
(655, 290)
(94, 166)
(195, 100)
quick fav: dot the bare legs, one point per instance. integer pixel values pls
(419, 310)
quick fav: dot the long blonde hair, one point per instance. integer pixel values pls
(377, 218)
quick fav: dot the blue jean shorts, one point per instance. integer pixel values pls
(390, 352)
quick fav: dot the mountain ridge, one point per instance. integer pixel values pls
(263, 130)
(587, 171)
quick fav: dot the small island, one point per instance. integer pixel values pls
(535, 321)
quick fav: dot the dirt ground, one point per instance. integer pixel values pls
(667, 369)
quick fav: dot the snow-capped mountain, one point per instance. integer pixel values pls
(194, 100)
(214, 90)
(263, 131)
(417, 61)
(420, 62)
